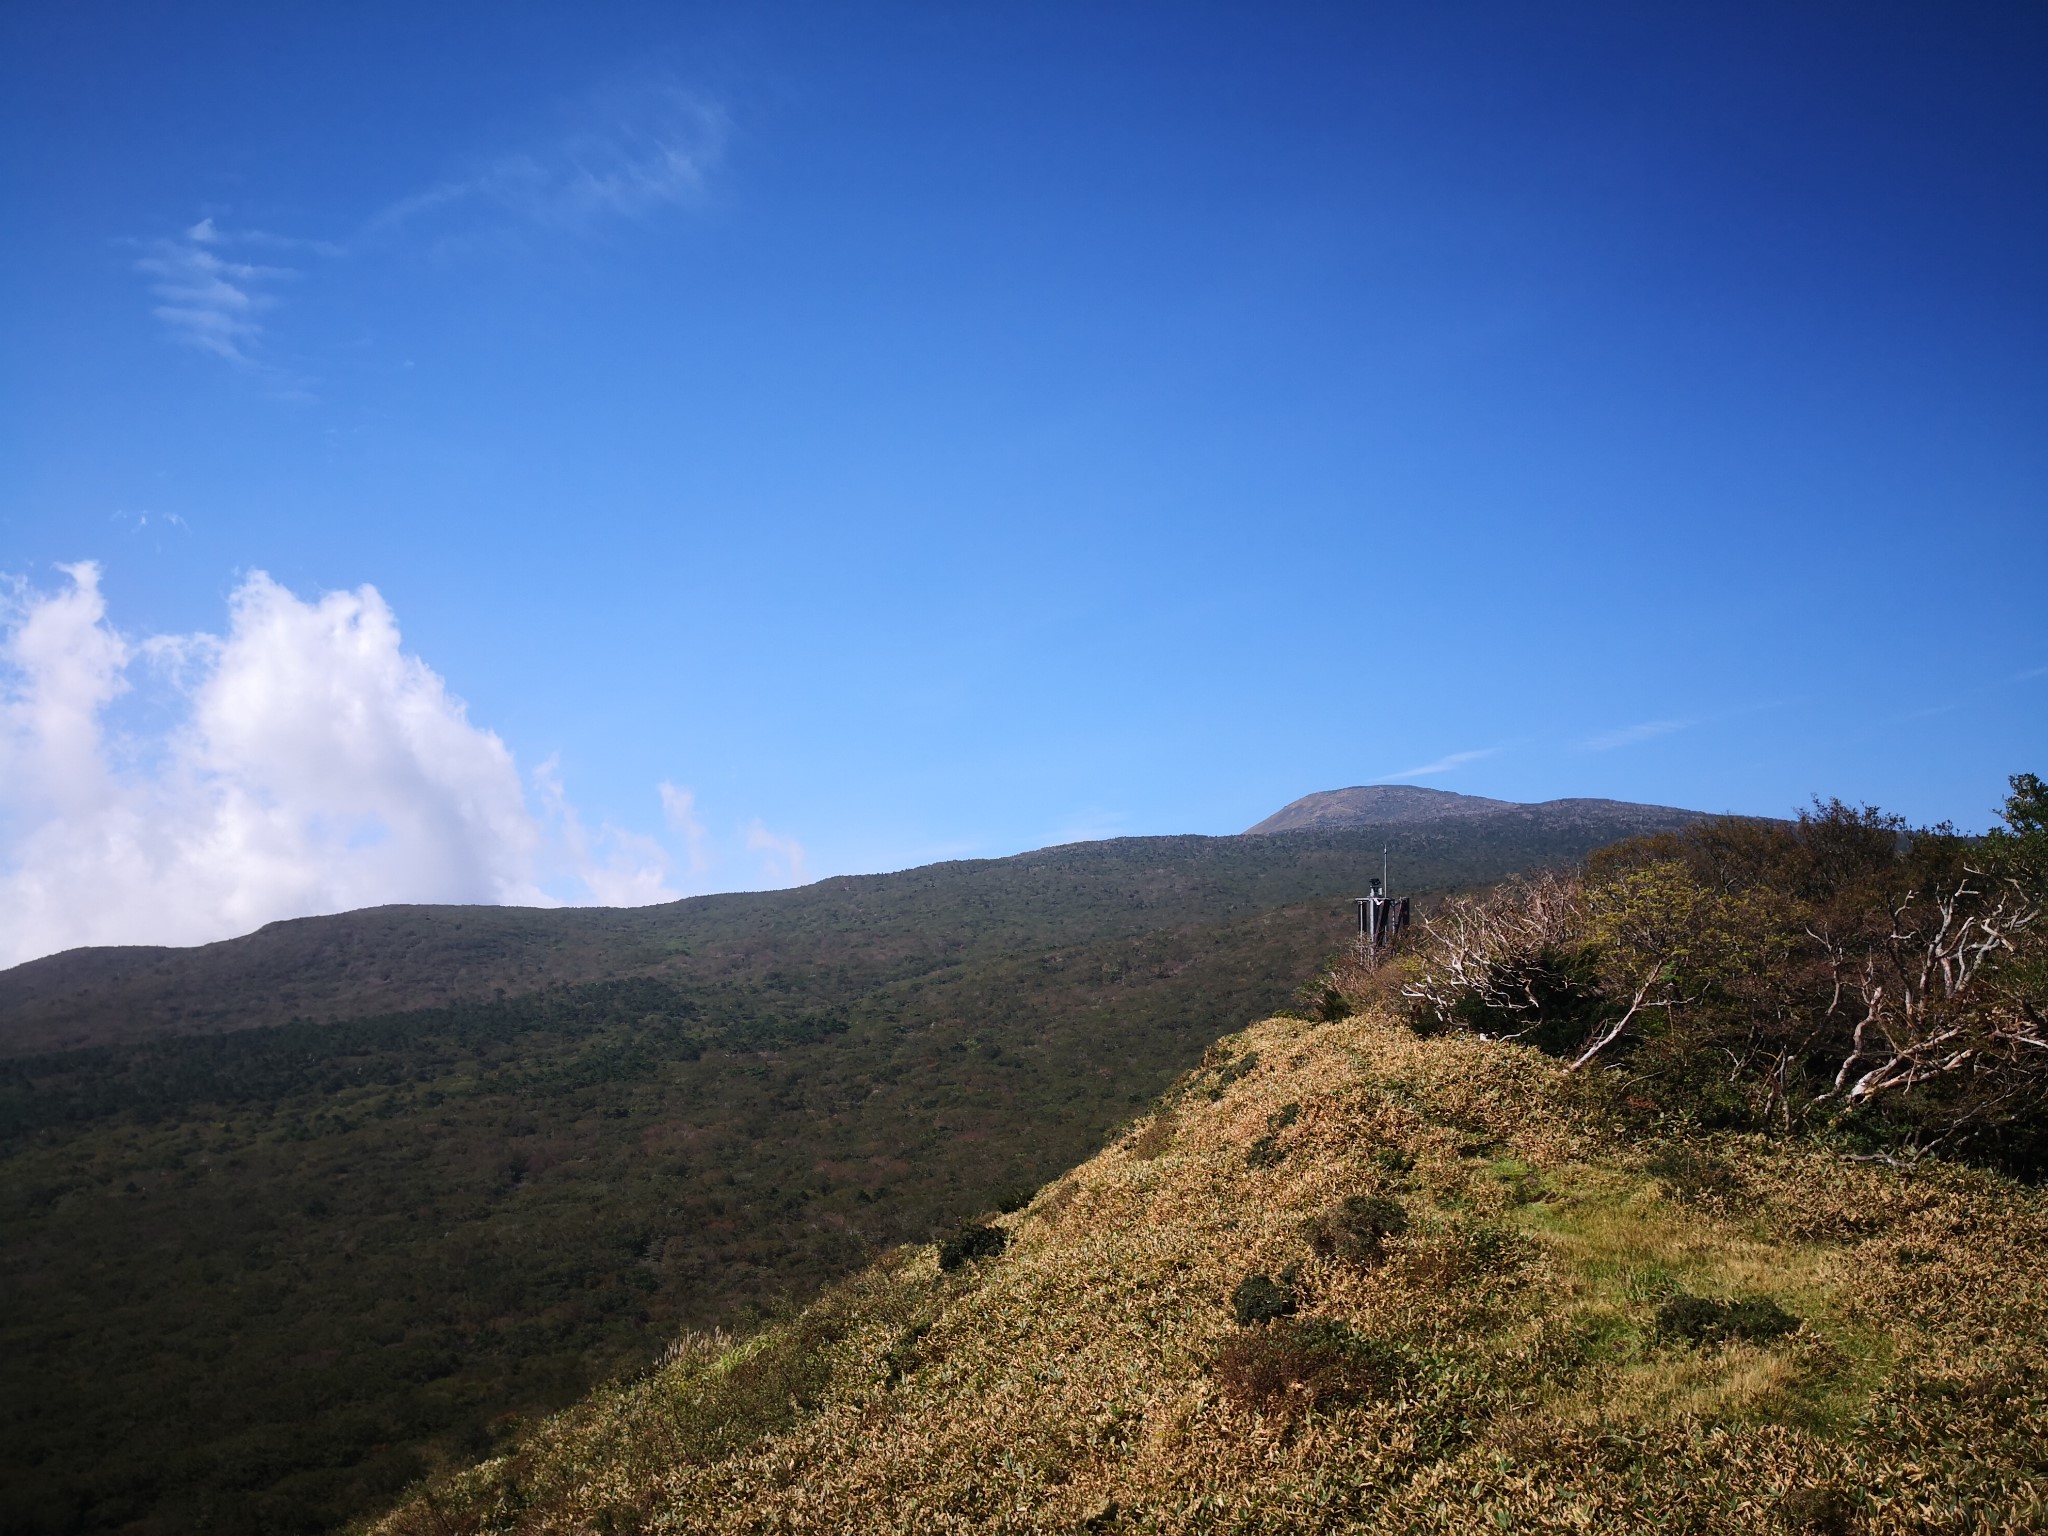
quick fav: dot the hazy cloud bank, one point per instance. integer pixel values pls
(301, 762)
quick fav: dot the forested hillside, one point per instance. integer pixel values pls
(328, 1206)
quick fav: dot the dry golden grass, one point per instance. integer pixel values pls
(1518, 1382)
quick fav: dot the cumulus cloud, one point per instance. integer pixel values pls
(311, 766)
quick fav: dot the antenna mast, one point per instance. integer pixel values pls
(1380, 917)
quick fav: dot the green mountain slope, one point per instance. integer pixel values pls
(1348, 1279)
(351, 1246)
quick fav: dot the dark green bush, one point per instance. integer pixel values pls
(1758, 1320)
(1243, 1067)
(1156, 1137)
(1825, 1511)
(973, 1241)
(1260, 1298)
(1358, 1229)
(902, 1357)
(1700, 1320)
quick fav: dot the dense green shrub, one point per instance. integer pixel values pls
(1824, 1510)
(1259, 1298)
(973, 1241)
(1232, 1071)
(1701, 1320)
(1358, 1229)
(1690, 1174)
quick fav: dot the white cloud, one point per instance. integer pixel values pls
(782, 861)
(311, 766)
(1629, 735)
(1442, 765)
(65, 667)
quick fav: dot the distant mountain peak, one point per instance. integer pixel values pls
(1395, 805)
(1375, 805)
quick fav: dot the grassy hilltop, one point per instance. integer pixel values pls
(1348, 1277)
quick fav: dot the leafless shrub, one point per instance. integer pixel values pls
(1926, 990)
(1494, 953)
(1357, 1231)
(1300, 1364)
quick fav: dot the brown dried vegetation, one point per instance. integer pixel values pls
(1497, 1365)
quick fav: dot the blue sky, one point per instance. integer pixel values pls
(912, 431)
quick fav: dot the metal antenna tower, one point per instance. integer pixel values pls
(1380, 917)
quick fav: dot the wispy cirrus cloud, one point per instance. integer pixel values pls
(1445, 764)
(619, 157)
(1630, 735)
(205, 297)
(631, 154)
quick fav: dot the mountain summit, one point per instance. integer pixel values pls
(1387, 805)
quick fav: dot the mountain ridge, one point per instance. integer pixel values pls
(403, 956)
